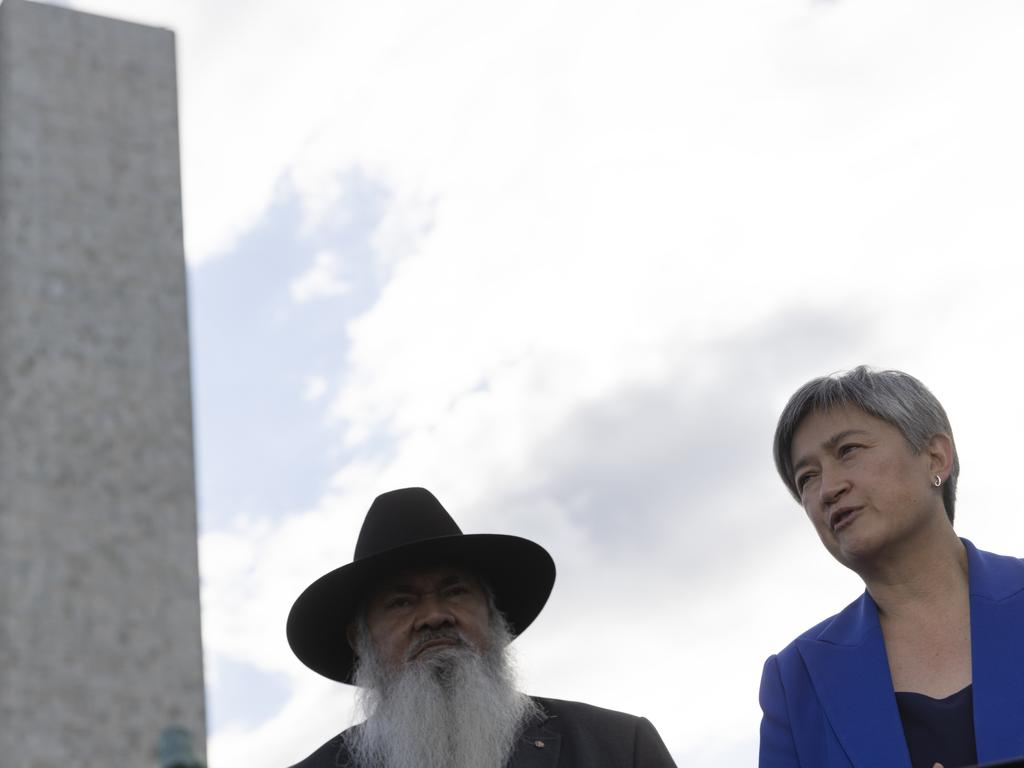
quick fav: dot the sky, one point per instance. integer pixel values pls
(563, 264)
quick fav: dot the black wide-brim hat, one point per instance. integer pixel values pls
(409, 528)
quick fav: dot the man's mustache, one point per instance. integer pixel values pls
(444, 636)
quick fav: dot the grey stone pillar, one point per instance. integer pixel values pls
(99, 595)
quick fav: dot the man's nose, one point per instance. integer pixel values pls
(433, 613)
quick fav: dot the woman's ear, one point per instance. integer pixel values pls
(940, 453)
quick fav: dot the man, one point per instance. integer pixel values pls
(421, 621)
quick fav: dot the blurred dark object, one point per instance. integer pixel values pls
(174, 749)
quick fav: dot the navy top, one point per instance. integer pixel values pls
(939, 730)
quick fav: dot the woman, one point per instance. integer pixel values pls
(927, 667)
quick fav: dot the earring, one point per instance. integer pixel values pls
(937, 481)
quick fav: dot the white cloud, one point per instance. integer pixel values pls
(707, 110)
(321, 281)
(315, 388)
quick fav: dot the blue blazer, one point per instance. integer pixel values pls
(828, 699)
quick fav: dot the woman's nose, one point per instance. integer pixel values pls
(833, 485)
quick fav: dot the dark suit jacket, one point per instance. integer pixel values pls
(571, 735)
(828, 700)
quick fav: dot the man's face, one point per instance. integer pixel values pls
(420, 612)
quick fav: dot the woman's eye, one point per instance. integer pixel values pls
(847, 449)
(802, 480)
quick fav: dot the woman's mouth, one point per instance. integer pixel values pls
(842, 518)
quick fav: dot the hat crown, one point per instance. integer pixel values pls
(402, 517)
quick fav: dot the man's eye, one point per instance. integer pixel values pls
(400, 601)
(456, 590)
(847, 449)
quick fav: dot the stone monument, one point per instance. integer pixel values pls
(100, 654)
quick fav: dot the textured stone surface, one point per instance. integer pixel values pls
(99, 612)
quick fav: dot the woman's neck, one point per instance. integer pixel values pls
(925, 576)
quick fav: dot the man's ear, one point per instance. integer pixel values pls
(940, 451)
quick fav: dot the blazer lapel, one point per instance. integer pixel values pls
(539, 747)
(997, 653)
(850, 673)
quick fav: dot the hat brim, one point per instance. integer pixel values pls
(519, 572)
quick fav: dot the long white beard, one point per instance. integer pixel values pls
(452, 708)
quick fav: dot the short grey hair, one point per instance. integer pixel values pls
(895, 397)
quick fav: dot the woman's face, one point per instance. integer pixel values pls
(862, 485)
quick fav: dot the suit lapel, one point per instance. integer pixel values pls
(850, 673)
(997, 652)
(539, 747)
